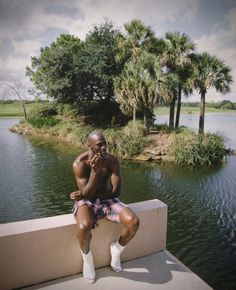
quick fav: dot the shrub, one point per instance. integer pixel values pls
(43, 115)
(67, 111)
(193, 149)
(39, 122)
(128, 141)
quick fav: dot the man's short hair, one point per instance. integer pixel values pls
(93, 134)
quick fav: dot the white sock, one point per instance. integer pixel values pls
(88, 267)
(116, 250)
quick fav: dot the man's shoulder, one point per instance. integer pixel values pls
(82, 158)
(112, 158)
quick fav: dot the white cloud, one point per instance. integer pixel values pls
(222, 44)
(16, 64)
(151, 12)
(26, 47)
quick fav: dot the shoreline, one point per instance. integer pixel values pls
(160, 150)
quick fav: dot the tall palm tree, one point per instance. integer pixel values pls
(176, 57)
(208, 71)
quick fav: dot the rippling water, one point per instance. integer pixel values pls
(36, 179)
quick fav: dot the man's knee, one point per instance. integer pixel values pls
(132, 221)
(85, 225)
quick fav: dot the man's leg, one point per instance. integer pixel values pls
(130, 223)
(85, 221)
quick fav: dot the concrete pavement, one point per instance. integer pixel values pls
(159, 271)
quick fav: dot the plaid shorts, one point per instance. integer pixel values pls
(107, 208)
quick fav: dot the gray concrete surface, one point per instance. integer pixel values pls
(159, 271)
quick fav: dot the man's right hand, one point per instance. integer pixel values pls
(96, 163)
(76, 195)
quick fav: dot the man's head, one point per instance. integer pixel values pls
(97, 143)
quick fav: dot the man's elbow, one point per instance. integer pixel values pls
(87, 194)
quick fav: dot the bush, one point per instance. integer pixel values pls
(67, 110)
(39, 122)
(192, 149)
(43, 115)
(101, 113)
(128, 141)
(44, 110)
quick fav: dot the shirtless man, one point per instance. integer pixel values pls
(94, 170)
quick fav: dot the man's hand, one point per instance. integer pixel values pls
(96, 163)
(76, 195)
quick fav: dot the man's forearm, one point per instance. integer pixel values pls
(91, 187)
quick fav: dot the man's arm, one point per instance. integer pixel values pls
(115, 181)
(87, 183)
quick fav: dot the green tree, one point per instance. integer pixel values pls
(80, 73)
(208, 71)
(98, 62)
(55, 73)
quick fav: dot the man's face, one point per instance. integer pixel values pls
(98, 145)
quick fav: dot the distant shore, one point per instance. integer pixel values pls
(14, 109)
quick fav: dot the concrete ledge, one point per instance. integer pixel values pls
(40, 250)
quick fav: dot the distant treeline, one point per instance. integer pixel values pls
(18, 101)
(225, 104)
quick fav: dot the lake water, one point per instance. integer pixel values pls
(36, 179)
(221, 123)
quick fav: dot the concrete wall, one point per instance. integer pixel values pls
(39, 250)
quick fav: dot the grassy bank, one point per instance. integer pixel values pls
(15, 109)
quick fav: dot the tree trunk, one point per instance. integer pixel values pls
(134, 114)
(23, 106)
(172, 113)
(177, 117)
(202, 113)
(145, 121)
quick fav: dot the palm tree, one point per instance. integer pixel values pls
(176, 57)
(138, 85)
(137, 37)
(208, 71)
(126, 89)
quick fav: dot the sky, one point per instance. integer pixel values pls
(28, 25)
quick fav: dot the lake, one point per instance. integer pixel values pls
(36, 179)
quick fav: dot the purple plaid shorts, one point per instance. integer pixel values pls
(107, 208)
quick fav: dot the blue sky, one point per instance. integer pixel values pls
(27, 25)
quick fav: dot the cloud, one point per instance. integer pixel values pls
(151, 12)
(26, 47)
(25, 26)
(222, 44)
